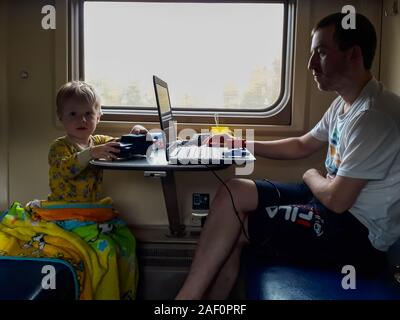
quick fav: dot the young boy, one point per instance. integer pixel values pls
(73, 180)
(70, 176)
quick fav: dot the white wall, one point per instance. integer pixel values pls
(390, 68)
(30, 100)
(3, 109)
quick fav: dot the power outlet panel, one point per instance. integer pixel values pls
(200, 207)
(195, 221)
(200, 202)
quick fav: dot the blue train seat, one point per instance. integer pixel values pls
(277, 280)
(23, 278)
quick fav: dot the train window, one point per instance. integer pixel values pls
(233, 58)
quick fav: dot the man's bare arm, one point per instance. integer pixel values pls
(290, 148)
(337, 194)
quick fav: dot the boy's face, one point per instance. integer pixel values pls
(79, 120)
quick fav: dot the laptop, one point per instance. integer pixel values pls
(190, 152)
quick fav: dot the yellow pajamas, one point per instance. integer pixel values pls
(71, 177)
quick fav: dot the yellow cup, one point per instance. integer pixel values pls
(220, 130)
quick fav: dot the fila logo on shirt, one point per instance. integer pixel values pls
(298, 214)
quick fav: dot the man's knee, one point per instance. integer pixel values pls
(242, 191)
(244, 238)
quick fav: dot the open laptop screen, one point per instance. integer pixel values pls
(165, 114)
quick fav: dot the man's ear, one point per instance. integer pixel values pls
(356, 54)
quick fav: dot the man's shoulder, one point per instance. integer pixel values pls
(377, 116)
(377, 105)
(386, 105)
(389, 99)
(334, 108)
(387, 93)
(376, 122)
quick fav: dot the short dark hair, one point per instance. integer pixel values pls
(364, 35)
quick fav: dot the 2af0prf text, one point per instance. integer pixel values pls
(201, 309)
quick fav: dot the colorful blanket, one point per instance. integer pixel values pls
(89, 236)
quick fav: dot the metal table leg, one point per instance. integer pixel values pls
(176, 226)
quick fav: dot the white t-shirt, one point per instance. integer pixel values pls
(365, 143)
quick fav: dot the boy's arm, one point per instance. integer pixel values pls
(67, 163)
(105, 147)
(102, 139)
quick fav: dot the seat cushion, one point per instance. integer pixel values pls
(292, 282)
(275, 278)
(24, 278)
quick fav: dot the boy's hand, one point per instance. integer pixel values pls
(138, 129)
(106, 151)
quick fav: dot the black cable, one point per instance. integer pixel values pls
(276, 188)
(233, 204)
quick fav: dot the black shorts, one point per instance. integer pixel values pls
(291, 224)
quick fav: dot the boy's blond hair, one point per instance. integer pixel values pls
(77, 91)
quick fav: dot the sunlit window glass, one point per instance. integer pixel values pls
(212, 55)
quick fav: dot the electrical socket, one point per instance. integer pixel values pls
(200, 202)
(195, 221)
(200, 207)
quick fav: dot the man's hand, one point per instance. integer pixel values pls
(106, 151)
(225, 140)
(311, 173)
(138, 129)
(330, 177)
(337, 193)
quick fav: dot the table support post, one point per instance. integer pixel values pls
(176, 226)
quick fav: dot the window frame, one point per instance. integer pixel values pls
(280, 113)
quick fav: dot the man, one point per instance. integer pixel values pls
(351, 215)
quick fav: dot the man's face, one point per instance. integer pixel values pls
(79, 120)
(327, 62)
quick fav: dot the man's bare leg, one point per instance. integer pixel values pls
(219, 236)
(222, 285)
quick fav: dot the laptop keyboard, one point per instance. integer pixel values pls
(195, 152)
